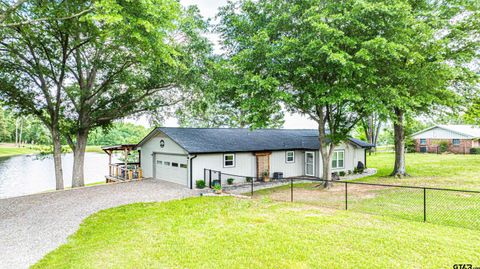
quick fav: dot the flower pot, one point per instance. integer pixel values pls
(266, 178)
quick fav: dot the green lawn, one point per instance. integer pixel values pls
(442, 207)
(445, 170)
(214, 232)
(12, 151)
(97, 149)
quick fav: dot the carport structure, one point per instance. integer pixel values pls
(125, 170)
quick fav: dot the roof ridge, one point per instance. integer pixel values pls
(237, 128)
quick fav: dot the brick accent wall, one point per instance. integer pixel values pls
(432, 145)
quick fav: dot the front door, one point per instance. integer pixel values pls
(263, 164)
(310, 163)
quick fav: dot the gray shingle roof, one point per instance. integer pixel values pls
(210, 140)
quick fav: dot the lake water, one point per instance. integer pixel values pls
(27, 174)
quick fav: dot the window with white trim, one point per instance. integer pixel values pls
(338, 159)
(290, 156)
(229, 160)
(423, 141)
(456, 142)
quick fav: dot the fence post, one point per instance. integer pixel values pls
(424, 205)
(291, 189)
(346, 196)
(220, 178)
(210, 178)
(252, 185)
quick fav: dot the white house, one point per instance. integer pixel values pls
(181, 155)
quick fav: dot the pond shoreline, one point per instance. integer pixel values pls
(34, 173)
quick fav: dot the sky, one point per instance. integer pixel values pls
(208, 9)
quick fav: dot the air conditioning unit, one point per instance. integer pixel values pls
(277, 175)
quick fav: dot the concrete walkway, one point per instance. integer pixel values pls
(33, 225)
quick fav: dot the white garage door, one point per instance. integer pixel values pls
(172, 168)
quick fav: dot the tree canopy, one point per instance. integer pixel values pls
(337, 61)
(119, 59)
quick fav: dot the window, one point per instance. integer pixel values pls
(290, 157)
(338, 159)
(423, 141)
(175, 164)
(456, 142)
(159, 162)
(228, 160)
(166, 163)
(182, 165)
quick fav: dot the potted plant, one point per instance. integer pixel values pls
(230, 181)
(266, 177)
(217, 189)
(249, 179)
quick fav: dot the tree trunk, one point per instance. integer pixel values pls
(399, 169)
(326, 150)
(79, 159)
(20, 141)
(57, 158)
(16, 132)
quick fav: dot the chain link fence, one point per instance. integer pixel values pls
(452, 207)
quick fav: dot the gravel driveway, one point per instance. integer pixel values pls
(31, 226)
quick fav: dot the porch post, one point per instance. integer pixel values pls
(126, 163)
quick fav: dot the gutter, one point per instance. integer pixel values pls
(191, 170)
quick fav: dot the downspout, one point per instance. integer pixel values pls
(191, 170)
(365, 158)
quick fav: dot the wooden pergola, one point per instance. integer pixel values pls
(125, 170)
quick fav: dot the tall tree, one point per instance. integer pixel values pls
(371, 126)
(417, 60)
(119, 58)
(142, 58)
(33, 69)
(302, 55)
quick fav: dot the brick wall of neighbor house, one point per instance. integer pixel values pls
(432, 145)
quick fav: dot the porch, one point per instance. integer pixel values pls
(127, 170)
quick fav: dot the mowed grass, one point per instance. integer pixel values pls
(12, 151)
(461, 209)
(435, 170)
(225, 232)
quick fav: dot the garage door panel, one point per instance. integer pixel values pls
(172, 168)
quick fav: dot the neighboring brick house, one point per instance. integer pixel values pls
(457, 138)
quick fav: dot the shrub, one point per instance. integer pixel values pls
(410, 145)
(350, 172)
(443, 146)
(475, 151)
(249, 179)
(355, 170)
(200, 184)
(230, 181)
(342, 173)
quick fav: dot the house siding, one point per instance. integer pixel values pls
(244, 165)
(153, 145)
(439, 133)
(278, 163)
